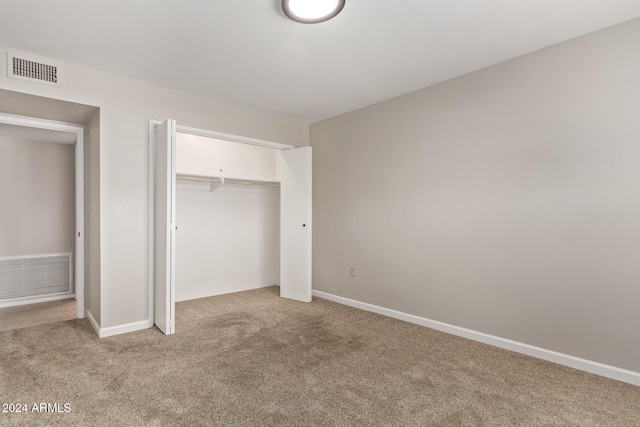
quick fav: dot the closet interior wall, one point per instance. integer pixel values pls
(228, 234)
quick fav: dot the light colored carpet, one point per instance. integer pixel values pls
(22, 316)
(254, 359)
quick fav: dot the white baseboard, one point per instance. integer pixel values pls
(117, 330)
(540, 353)
(123, 329)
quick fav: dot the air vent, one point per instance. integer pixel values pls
(34, 276)
(27, 67)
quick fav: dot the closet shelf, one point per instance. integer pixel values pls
(222, 180)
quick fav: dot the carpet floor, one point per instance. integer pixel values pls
(254, 359)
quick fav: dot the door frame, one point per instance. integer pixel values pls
(32, 122)
(152, 170)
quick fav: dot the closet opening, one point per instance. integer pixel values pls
(42, 221)
(227, 217)
(228, 214)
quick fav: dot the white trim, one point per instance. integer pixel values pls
(14, 302)
(225, 136)
(597, 368)
(151, 219)
(78, 277)
(123, 329)
(12, 119)
(32, 122)
(69, 254)
(117, 330)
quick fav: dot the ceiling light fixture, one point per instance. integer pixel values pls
(312, 11)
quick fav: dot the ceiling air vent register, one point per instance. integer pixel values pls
(32, 69)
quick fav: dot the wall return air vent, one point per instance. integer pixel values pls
(27, 67)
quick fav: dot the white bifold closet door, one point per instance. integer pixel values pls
(165, 214)
(295, 224)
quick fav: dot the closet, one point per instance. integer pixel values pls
(230, 213)
(227, 203)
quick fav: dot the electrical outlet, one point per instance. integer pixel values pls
(352, 271)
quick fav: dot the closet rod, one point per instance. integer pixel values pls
(219, 180)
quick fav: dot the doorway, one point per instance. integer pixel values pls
(36, 269)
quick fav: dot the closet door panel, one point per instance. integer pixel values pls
(197, 155)
(164, 227)
(250, 162)
(295, 224)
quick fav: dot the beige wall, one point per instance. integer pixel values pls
(37, 190)
(125, 109)
(504, 201)
(92, 217)
(23, 104)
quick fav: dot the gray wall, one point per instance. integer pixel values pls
(505, 201)
(37, 190)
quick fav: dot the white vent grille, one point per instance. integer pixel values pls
(39, 275)
(25, 67)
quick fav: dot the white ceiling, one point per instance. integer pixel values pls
(246, 52)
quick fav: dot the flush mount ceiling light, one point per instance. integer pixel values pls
(312, 11)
